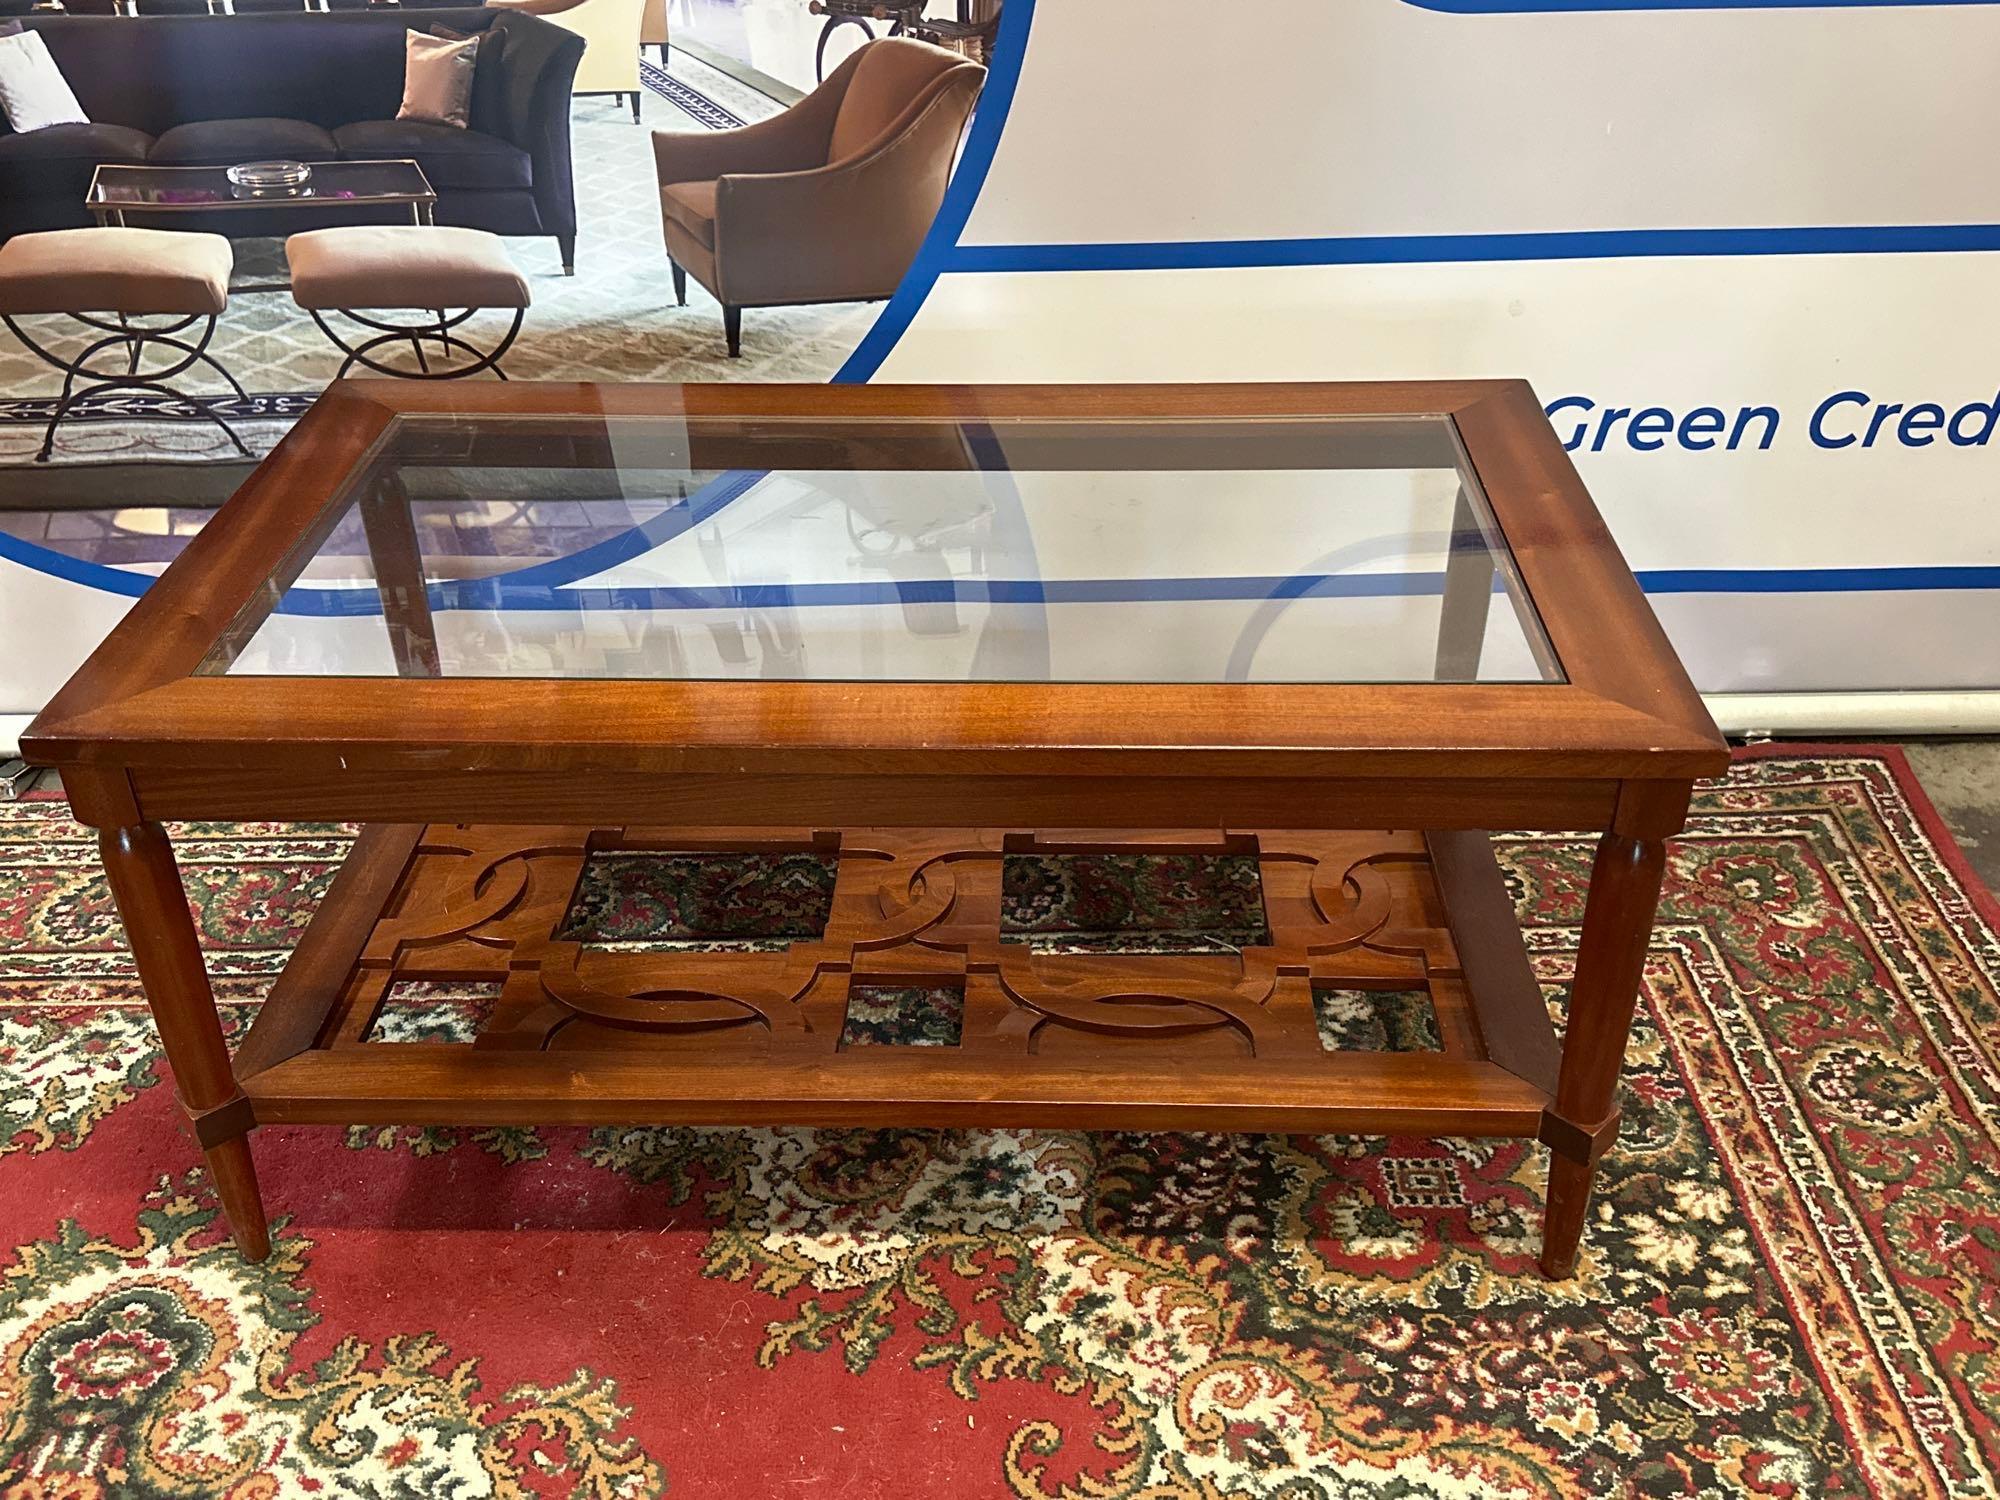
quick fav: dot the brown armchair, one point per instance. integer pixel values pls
(826, 202)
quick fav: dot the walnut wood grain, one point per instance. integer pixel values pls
(152, 904)
(295, 1010)
(1353, 1092)
(312, 793)
(908, 906)
(1513, 1019)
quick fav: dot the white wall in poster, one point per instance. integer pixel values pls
(49, 624)
(1751, 249)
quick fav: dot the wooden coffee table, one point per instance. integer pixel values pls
(528, 633)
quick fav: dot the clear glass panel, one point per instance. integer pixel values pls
(1268, 550)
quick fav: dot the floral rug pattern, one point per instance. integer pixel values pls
(1790, 1285)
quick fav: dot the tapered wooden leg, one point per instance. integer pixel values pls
(1562, 1219)
(1582, 1125)
(147, 887)
(732, 328)
(680, 283)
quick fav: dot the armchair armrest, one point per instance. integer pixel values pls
(783, 143)
(862, 220)
(796, 141)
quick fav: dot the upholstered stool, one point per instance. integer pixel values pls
(407, 267)
(107, 278)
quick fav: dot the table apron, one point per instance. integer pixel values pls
(600, 799)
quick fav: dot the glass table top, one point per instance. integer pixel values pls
(160, 187)
(1321, 549)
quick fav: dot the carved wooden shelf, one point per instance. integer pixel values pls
(1221, 1040)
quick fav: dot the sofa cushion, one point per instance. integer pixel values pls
(692, 206)
(437, 79)
(224, 143)
(489, 76)
(33, 92)
(58, 161)
(451, 158)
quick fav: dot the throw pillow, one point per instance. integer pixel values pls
(489, 83)
(437, 79)
(11, 27)
(33, 93)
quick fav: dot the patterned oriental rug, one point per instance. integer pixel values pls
(1790, 1287)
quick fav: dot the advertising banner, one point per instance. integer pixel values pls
(1740, 249)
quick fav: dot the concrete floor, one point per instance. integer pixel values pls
(1963, 779)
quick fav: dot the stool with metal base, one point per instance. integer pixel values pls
(111, 280)
(436, 330)
(423, 269)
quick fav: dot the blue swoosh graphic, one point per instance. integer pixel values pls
(996, 102)
(1436, 249)
(502, 593)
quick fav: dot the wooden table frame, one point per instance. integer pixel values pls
(1613, 749)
